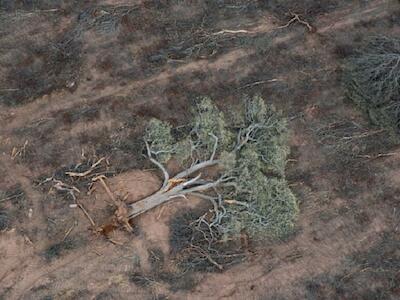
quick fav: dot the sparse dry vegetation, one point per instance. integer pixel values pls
(371, 274)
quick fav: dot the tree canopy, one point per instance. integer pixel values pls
(248, 190)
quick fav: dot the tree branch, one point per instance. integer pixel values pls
(158, 164)
(196, 168)
(215, 146)
(191, 181)
(209, 198)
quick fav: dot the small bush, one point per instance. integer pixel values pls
(141, 280)
(15, 196)
(372, 80)
(156, 259)
(309, 8)
(344, 50)
(4, 220)
(56, 250)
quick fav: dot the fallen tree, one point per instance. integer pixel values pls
(239, 168)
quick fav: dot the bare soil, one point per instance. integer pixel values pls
(79, 79)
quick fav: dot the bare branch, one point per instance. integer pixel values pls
(207, 197)
(158, 164)
(241, 141)
(231, 201)
(191, 181)
(197, 167)
(257, 83)
(83, 174)
(231, 31)
(215, 146)
(200, 188)
(161, 197)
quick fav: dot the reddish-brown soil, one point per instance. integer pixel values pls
(78, 80)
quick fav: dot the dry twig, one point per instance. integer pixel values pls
(224, 31)
(19, 152)
(257, 83)
(83, 174)
(86, 214)
(69, 231)
(11, 197)
(378, 155)
(296, 18)
(61, 186)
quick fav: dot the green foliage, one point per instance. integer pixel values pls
(158, 136)
(272, 207)
(183, 149)
(252, 155)
(372, 80)
(208, 122)
(271, 139)
(248, 162)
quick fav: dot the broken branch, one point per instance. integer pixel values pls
(231, 31)
(296, 18)
(83, 174)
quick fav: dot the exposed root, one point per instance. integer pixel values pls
(207, 256)
(121, 213)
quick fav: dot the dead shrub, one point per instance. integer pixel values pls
(372, 81)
